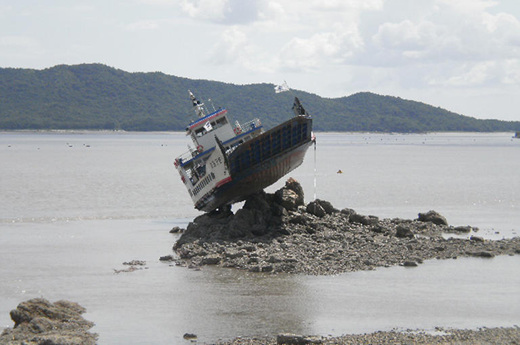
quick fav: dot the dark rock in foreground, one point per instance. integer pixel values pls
(38, 321)
(278, 233)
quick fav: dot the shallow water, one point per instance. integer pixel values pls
(74, 207)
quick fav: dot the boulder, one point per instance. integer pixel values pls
(176, 230)
(463, 229)
(347, 212)
(38, 321)
(296, 187)
(365, 220)
(410, 264)
(316, 209)
(476, 239)
(402, 231)
(484, 254)
(433, 217)
(327, 206)
(287, 198)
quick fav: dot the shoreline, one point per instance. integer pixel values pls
(42, 322)
(442, 336)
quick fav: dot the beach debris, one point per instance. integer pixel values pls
(135, 265)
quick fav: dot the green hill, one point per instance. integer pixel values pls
(94, 96)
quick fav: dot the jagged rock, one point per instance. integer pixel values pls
(287, 198)
(298, 219)
(295, 186)
(402, 231)
(166, 258)
(327, 206)
(176, 230)
(365, 220)
(38, 321)
(316, 209)
(189, 336)
(347, 212)
(433, 217)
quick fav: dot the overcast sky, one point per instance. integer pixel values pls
(462, 55)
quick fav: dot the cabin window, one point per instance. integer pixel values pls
(200, 131)
(222, 121)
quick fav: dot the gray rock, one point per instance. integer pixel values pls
(402, 231)
(463, 229)
(295, 186)
(433, 217)
(176, 230)
(38, 321)
(327, 206)
(484, 254)
(316, 209)
(410, 264)
(347, 212)
(287, 198)
(365, 220)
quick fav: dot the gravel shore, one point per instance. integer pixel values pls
(278, 233)
(482, 336)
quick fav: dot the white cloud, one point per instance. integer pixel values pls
(231, 48)
(142, 25)
(321, 48)
(405, 36)
(214, 10)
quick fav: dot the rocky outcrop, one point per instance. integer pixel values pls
(38, 321)
(433, 217)
(277, 233)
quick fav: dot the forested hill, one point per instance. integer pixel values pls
(94, 96)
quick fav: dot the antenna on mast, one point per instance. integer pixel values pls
(199, 107)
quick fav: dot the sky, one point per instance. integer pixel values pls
(461, 55)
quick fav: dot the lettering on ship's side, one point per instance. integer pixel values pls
(217, 161)
(203, 183)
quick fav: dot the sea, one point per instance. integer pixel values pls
(75, 206)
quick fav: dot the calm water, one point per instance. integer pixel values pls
(74, 207)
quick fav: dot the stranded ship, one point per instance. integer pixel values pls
(231, 161)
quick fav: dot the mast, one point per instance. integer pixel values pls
(197, 105)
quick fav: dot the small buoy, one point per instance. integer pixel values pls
(340, 172)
